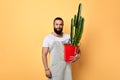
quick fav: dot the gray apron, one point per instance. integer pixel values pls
(60, 69)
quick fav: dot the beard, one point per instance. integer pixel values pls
(58, 31)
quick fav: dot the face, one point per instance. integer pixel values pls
(58, 26)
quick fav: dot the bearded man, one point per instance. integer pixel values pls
(54, 44)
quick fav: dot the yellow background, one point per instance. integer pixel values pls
(24, 24)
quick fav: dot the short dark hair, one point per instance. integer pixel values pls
(58, 18)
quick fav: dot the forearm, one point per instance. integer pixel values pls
(45, 62)
(77, 55)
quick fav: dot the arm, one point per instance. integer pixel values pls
(77, 55)
(45, 62)
(44, 57)
(78, 52)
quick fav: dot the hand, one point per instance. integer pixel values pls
(48, 73)
(74, 58)
(77, 55)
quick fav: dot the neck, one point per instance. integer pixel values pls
(57, 35)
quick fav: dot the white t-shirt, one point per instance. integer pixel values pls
(49, 39)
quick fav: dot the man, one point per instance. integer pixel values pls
(54, 44)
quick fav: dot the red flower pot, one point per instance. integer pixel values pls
(69, 50)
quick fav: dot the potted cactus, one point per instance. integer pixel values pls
(77, 24)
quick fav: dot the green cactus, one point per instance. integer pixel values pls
(77, 24)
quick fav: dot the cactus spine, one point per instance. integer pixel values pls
(77, 24)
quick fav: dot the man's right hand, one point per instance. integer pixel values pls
(48, 73)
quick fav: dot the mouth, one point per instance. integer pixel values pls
(59, 29)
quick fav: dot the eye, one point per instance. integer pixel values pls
(61, 24)
(56, 24)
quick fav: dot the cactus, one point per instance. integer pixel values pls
(77, 24)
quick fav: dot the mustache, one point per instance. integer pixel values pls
(58, 28)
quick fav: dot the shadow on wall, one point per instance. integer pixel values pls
(78, 66)
(81, 67)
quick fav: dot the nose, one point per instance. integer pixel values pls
(59, 25)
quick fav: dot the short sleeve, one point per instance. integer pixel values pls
(67, 37)
(45, 42)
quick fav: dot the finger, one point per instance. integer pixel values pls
(49, 77)
(50, 74)
(73, 61)
(71, 56)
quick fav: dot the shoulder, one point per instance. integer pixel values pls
(66, 35)
(48, 37)
(47, 40)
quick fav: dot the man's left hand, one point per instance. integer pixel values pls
(74, 58)
(77, 55)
